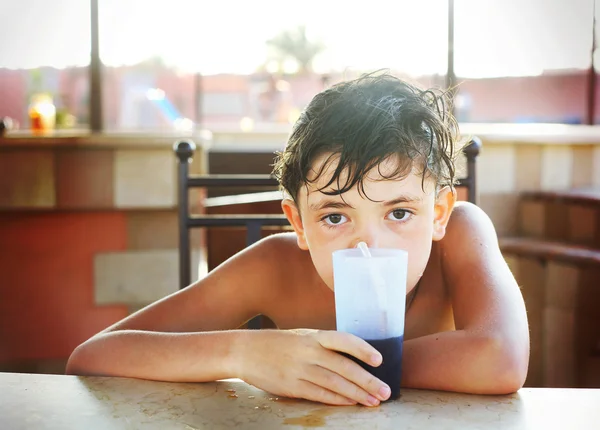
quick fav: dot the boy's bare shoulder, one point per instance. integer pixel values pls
(470, 249)
(282, 242)
(469, 232)
(468, 221)
(288, 275)
(280, 254)
(281, 246)
(296, 296)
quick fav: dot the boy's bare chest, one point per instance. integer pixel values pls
(312, 305)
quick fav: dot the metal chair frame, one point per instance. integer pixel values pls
(253, 223)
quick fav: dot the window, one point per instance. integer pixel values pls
(523, 60)
(212, 62)
(236, 64)
(45, 49)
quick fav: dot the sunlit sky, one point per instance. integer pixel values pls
(493, 37)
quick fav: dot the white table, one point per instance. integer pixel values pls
(44, 402)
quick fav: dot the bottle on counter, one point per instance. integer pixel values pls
(42, 113)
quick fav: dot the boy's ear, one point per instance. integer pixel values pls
(444, 204)
(293, 215)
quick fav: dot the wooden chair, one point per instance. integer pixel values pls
(255, 222)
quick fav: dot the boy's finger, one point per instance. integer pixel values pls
(316, 393)
(356, 347)
(351, 345)
(335, 382)
(355, 374)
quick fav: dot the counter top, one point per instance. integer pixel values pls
(87, 140)
(272, 137)
(45, 402)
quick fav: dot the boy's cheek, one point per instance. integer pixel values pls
(323, 263)
(326, 274)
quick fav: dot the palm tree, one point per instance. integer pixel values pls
(296, 45)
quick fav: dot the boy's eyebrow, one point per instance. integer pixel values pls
(403, 199)
(329, 204)
(336, 204)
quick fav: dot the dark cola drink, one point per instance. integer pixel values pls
(390, 370)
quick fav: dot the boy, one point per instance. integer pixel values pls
(369, 160)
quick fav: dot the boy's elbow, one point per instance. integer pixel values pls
(74, 366)
(511, 362)
(79, 362)
(511, 381)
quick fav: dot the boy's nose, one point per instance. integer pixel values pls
(368, 236)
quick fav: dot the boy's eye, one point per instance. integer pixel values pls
(399, 215)
(334, 219)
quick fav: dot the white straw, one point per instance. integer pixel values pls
(364, 249)
(378, 283)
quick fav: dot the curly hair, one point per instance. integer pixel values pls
(363, 122)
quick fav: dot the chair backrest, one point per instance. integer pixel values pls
(255, 222)
(471, 151)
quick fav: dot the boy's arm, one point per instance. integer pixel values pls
(184, 337)
(160, 356)
(164, 340)
(489, 351)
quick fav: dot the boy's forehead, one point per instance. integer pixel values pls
(324, 166)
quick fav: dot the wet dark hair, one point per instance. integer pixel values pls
(363, 122)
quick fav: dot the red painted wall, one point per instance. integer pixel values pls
(46, 281)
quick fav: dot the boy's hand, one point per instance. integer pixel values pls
(304, 364)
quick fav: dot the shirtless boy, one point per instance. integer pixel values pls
(369, 160)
